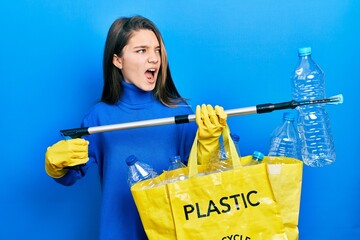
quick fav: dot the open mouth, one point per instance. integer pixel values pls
(150, 73)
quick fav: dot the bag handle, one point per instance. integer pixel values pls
(228, 145)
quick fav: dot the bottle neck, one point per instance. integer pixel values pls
(257, 159)
(305, 58)
(308, 61)
(175, 162)
(289, 124)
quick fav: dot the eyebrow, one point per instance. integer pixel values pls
(144, 46)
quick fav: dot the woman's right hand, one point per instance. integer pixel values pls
(64, 154)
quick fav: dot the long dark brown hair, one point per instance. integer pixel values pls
(118, 36)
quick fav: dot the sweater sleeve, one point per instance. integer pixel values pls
(79, 172)
(71, 177)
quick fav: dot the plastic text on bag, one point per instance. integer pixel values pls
(226, 203)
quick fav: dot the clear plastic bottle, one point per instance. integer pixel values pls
(222, 154)
(308, 83)
(176, 163)
(257, 158)
(218, 162)
(138, 171)
(236, 139)
(285, 139)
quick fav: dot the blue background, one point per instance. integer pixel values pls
(232, 53)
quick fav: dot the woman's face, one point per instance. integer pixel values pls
(140, 60)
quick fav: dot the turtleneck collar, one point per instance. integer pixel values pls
(134, 96)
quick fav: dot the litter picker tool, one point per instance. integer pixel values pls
(261, 108)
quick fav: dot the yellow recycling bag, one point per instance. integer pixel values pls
(233, 204)
(285, 176)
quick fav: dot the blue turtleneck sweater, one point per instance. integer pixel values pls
(152, 145)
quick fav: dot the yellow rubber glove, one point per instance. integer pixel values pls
(65, 153)
(210, 123)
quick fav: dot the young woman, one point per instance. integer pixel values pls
(137, 86)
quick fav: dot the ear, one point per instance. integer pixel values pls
(117, 61)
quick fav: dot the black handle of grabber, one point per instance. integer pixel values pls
(269, 107)
(75, 132)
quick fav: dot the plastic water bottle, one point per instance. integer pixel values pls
(222, 154)
(285, 140)
(176, 163)
(257, 158)
(236, 140)
(308, 83)
(138, 171)
(219, 162)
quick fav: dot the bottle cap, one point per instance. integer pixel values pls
(304, 51)
(289, 116)
(131, 160)
(235, 137)
(258, 155)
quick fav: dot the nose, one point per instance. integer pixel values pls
(153, 58)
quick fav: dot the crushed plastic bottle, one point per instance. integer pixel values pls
(138, 171)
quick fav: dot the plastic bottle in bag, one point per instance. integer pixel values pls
(222, 153)
(236, 139)
(285, 140)
(308, 83)
(181, 174)
(221, 161)
(257, 158)
(139, 171)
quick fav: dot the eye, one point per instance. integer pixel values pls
(158, 51)
(142, 50)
